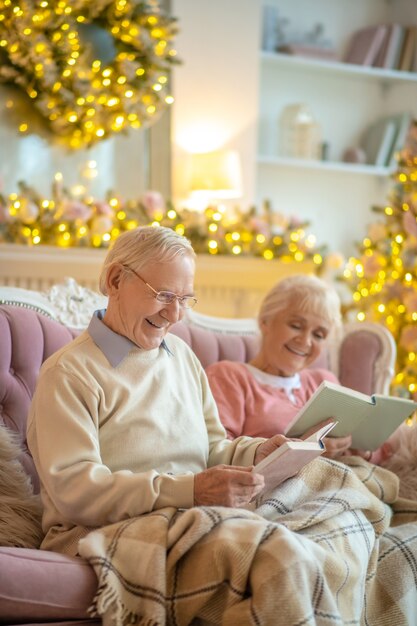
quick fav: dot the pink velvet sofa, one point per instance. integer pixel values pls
(39, 587)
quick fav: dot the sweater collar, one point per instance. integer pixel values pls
(115, 347)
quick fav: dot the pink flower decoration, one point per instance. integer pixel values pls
(377, 231)
(259, 226)
(4, 214)
(410, 224)
(371, 265)
(101, 225)
(75, 210)
(153, 202)
(408, 339)
(410, 301)
(103, 208)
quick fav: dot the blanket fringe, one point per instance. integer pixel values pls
(107, 600)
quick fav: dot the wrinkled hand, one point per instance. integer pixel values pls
(226, 485)
(335, 446)
(269, 446)
(383, 453)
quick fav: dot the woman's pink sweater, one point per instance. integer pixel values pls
(248, 407)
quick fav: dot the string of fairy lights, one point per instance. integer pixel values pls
(83, 99)
(383, 276)
(69, 218)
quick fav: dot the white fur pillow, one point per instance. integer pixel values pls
(403, 461)
(20, 509)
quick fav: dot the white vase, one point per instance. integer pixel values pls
(299, 133)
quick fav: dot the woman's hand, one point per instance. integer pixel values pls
(226, 485)
(335, 446)
(381, 454)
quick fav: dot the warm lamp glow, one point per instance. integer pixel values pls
(216, 174)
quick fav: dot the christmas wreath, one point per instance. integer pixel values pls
(90, 68)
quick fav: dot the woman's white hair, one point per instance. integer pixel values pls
(305, 293)
(144, 245)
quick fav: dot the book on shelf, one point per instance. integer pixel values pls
(377, 141)
(379, 59)
(287, 460)
(408, 49)
(369, 419)
(365, 44)
(392, 48)
(403, 122)
(414, 61)
(309, 51)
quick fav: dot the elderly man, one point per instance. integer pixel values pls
(123, 421)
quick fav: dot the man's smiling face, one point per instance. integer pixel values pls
(133, 310)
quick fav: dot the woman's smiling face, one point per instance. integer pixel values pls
(291, 340)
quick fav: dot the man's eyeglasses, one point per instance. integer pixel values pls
(167, 297)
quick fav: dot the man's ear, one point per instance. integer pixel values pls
(263, 324)
(113, 278)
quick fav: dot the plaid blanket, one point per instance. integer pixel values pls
(333, 545)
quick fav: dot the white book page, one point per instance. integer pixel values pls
(345, 406)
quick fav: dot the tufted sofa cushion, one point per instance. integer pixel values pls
(210, 346)
(27, 339)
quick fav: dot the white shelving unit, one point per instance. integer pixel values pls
(329, 166)
(334, 196)
(378, 74)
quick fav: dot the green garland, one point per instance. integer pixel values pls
(82, 98)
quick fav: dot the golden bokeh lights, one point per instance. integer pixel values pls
(81, 98)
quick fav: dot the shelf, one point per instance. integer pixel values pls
(336, 67)
(330, 166)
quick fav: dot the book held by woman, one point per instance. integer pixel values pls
(369, 419)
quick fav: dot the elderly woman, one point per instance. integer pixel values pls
(261, 397)
(123, 421)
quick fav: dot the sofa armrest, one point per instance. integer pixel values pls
(365, 358)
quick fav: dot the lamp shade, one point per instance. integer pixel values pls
(217, 174)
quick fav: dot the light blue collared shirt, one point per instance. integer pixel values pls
(115, 347)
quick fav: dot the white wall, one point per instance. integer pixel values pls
(216, 88)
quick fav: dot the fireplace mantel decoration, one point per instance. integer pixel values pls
(89, 69)
(73, 219)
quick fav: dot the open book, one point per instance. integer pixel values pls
(288, 459)
(369, 419)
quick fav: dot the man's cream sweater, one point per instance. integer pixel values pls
(111, 443)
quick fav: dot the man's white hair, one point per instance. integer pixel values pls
(141, 246)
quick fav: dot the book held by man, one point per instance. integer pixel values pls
(369, 419)
(287, 460)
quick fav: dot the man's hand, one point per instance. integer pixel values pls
(269, 446)
(226, 485)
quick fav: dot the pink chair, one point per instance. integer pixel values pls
(44, 587)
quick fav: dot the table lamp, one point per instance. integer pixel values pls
(216, 175)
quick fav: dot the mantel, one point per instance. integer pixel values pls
(225, 286)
